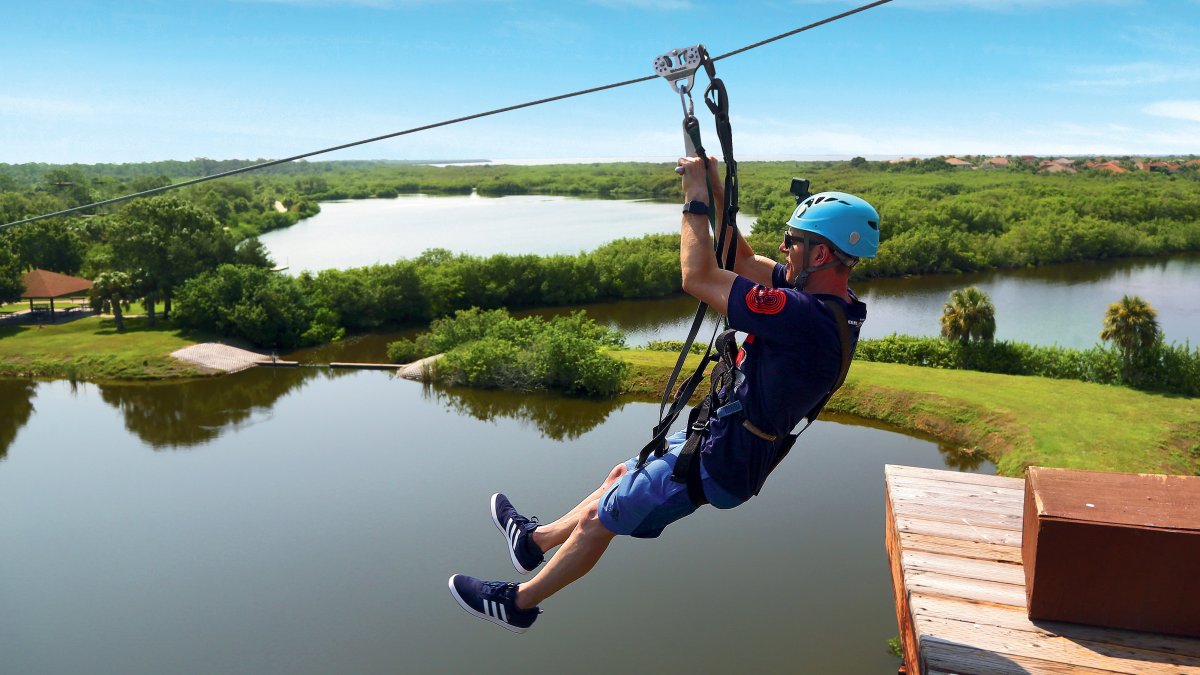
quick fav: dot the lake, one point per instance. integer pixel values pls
(356, 233)
(1061, 304)
(306, 520)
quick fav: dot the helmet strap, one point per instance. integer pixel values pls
(805, 270)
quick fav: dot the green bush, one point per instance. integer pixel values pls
(1166, 368)
(673, 346)
(250, 303)
(491, 349)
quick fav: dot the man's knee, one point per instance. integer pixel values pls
(615, 475)
(589, 524)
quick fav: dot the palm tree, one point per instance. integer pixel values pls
(969, 315)
(110, 292)
(1132, 325)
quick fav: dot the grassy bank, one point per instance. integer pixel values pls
(92, 349)
(1014, 421)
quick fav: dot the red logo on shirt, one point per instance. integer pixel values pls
(765, 300)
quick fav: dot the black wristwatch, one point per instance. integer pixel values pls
(696, 206)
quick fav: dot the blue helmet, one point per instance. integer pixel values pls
(848, 222)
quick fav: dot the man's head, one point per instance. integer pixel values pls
(829, 230)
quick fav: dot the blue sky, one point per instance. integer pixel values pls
(137, 81)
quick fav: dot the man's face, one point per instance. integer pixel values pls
(793, 246)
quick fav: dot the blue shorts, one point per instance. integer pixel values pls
(646, 500)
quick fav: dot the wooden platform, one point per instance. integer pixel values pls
(954, 545)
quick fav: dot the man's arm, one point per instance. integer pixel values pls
(756, 268)
(702, 278)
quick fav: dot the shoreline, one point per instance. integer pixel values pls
(1014, 421)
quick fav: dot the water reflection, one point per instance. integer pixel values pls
(16, 406)
(195, 412)
(953, 456)
(555, 417)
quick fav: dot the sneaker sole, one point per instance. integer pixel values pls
(512, 554)
(463, 603)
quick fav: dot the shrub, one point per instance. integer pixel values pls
(491, 349)
(1161, 367)
(249, 303)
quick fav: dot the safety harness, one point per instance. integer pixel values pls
(679, 68)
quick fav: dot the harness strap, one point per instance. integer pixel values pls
(717, 101)
(749, 426)
(839, 319)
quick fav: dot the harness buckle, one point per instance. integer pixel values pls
(729, 409)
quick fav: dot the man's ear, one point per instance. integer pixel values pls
(822, 254)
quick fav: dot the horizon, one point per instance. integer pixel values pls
(156, 81)
(664, 159)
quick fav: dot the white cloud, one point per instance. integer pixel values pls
(669, 5)
(24, 105)
(1180, 110)
(376, 4)
(985, 5)
(1120, 76)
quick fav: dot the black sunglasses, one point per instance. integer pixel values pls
(790, 241)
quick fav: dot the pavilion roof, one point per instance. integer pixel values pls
(46, 284)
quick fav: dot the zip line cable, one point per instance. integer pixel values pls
(497, 111)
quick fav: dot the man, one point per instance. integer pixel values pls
(791, 360)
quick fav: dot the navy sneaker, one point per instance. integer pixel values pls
(518, 531)
(495, 601)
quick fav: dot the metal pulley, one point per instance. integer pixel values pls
(678, 67)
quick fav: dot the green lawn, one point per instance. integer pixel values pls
(1015, 421)
(91, 348)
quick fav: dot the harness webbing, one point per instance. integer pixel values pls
(717, 100)
(839, 319)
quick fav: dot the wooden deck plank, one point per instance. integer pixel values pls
(1051, 648)
(959, 489)
(1015, 618)
(985, 570)
(960, 530)
(941, 475)
(953, 542)
(972, 550)
(991, 499)
(946, 512)
(979, 590)
(961, 659)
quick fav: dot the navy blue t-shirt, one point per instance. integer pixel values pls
(791, 358)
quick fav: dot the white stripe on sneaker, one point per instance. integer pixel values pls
(503, 614)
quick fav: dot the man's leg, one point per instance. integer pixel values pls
(587, 542)
(554, 534)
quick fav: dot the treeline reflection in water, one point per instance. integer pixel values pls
(191, 413)
(16, 403)
(178, 415)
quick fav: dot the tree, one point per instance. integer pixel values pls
(112, 291)
(11, 282)
(1132, 325)
(49, 245)
(969, 315)
(165, 241)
